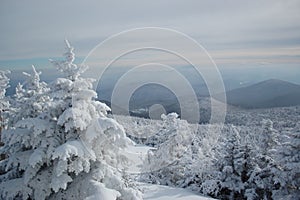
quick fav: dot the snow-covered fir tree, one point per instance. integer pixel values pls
(288, 168)
(169, 126)
(69, 150)
(165, 165)
(4, 102)
(268, 137)
(4, 107)
(4, 81)
(229, 173)
(263, 174)
(229, 155)
(30, 98)
(203, 156)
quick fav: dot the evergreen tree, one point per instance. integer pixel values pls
(228, 177)
(166, 165)
(169, 126)
(4, 105)
(263, 174)
(288, 169)
(31, 97)
(229, 156)
(67, 148)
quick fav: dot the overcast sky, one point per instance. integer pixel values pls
(235, 33)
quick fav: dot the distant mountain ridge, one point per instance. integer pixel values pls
(265, 94)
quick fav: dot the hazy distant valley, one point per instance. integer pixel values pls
(272, 93)
(269, 94)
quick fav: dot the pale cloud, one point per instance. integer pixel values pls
(232, 31)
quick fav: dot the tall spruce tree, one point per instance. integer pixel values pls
(68, 150)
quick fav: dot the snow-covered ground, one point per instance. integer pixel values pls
(159, 192)
(136, 154)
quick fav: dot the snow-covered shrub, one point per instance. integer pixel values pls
(202, 159)
(183, 158)
(168, 164)
(4, 103)
(262, 176)
(140, 130)
(243, 167)
(224, 180)
(4, 81)
(63, 146)
(169, 127)
(287, 173)
(4, 107)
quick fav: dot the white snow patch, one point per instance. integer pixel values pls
(103, 193)
(159, 192)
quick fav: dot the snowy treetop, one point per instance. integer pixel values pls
(71, 70)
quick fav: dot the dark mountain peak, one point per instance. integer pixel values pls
(275, 81)
(268, 93)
